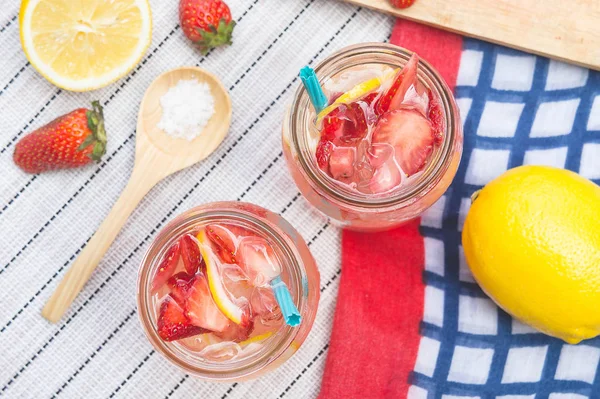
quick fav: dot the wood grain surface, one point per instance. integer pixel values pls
(564, 30)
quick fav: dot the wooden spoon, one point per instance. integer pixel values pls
(157, 155)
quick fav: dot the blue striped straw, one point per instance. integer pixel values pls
(284, 299)
(312, 86)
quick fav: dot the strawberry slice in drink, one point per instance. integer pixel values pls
(223, 241)
(347, 121)
(190, 253)
(258, 260)
(394, 96)
(370, 98)
(411, 136)
(355, 126)
(333, 125)
(173, 323)
(180, 285)
(201, 309)
(347, 124)
(167, 267)
(239, 313)
(436, 117)
(236, 332)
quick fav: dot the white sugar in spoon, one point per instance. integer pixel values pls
(157, 155)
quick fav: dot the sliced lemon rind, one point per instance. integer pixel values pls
(356, 92)
(257, 338)
(91, 83)
(225, 305)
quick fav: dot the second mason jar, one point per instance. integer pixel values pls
(351, 208)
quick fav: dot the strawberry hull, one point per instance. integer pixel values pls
(207, 23)
(70, 141)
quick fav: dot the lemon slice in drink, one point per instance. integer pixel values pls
(232, 311)
(256, 339)
(84, 45)
(356, 92)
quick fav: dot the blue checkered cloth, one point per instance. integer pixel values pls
(517, 109)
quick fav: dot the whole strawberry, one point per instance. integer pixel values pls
(402, 3)
(206, 22)
(69, 141)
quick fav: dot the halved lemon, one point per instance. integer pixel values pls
(87, 44)
(356, 92)
(215, 284)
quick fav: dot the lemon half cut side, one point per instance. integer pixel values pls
(84, 45)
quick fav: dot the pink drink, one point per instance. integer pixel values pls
(207, 292)
(384, 137)
(186, 308)
(385, 148)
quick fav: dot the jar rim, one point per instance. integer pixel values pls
(227, 212)
(437, 165)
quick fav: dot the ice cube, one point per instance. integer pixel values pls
(263, 301)
(341, 162)
(221, 351)
(198, 342)
(251, 348)
(417, 98)
(387, 177)
(238, 289)
(233, 273)
(258, 260)
(347, 79)
(237, 332)
(264, 305)
(379, 153)
(236, 281)
(364, 171)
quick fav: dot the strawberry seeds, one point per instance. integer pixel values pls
(375, 141)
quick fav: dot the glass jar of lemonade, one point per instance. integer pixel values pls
(204, 294)
(386, 146)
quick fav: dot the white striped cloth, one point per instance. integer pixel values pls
(99, 350)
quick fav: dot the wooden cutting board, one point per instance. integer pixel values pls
(567, 30)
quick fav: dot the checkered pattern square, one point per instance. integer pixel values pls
(516, 109)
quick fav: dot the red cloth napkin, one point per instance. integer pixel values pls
(375, 334)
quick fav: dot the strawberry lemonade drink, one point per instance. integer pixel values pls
(386, 145)
(206, 297)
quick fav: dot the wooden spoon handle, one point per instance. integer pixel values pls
(79, 273)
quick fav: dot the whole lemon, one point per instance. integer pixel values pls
(532, 241)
